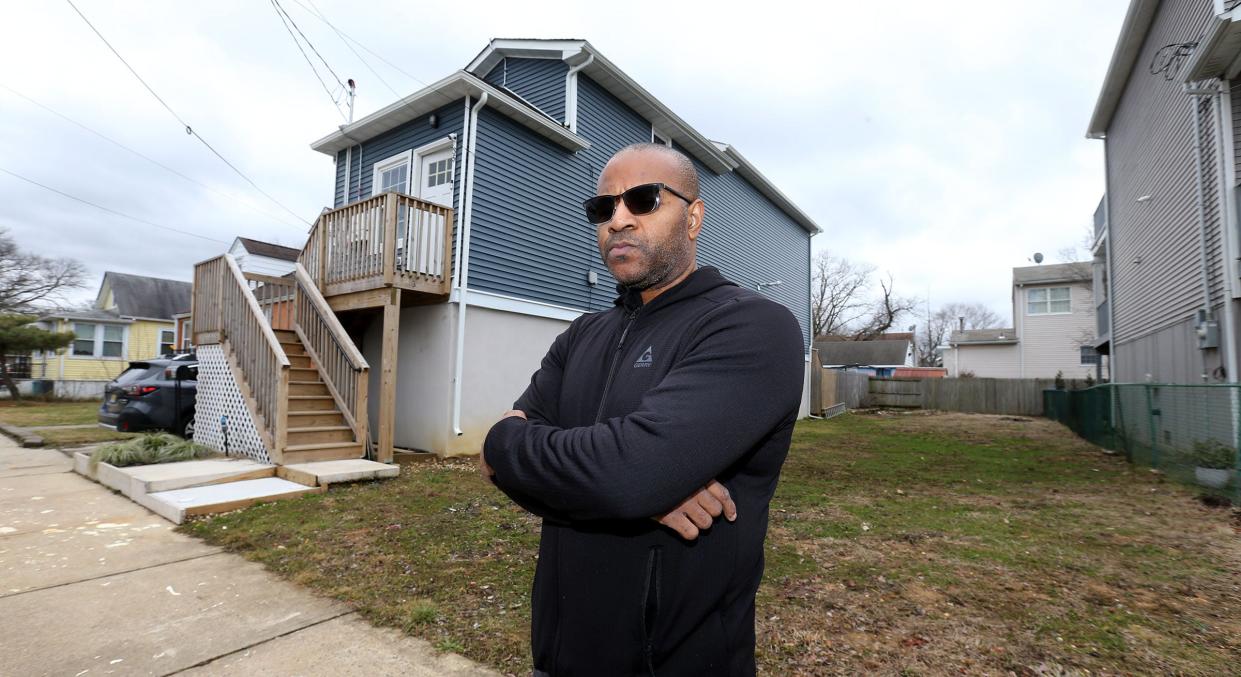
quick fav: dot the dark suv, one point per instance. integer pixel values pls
(145, 397)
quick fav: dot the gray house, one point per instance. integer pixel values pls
(456, 251)
(1166, 238)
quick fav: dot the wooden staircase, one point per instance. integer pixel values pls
(316, 428)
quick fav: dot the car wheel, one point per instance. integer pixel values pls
(187, 428)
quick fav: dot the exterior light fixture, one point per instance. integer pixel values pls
(773, 283)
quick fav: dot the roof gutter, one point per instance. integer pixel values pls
(1128, 46)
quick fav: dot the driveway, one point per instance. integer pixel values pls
(93, 584)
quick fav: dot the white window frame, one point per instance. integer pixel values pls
(187, 338)
(171, 342)
(385, 164)
(657, 133)
(97, 352)
(1098, 357)
(415, 174)
(1047, 301)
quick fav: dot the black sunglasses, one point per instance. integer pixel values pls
(639, 200)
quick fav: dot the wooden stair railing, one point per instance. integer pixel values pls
(225, 311)
(341, 365)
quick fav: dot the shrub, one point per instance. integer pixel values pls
(1213, 454)
(149, 448)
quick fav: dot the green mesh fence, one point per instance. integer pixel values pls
(1190, 432)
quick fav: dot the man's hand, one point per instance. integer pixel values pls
(485, 469)
(699, 511)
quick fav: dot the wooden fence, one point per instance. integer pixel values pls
(1021, 397)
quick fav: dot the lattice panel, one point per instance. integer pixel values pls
(219, 396)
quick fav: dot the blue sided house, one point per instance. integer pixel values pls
(455, 251)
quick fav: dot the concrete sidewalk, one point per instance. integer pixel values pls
(93, 584)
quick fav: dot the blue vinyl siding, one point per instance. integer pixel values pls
(530, 240)
(411, 135)
(539, 81)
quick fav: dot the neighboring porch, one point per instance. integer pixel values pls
(277, 345)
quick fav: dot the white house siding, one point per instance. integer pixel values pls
(262, 265)
(983, 361)
(1052, 343)
(1156, 259)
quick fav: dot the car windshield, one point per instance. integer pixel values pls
(136, 372)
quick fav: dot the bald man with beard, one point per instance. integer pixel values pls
(650, 441)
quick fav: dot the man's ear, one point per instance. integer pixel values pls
(696, 211)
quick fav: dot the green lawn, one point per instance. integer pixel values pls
(905, 544)
(36, 413)
(28, 413)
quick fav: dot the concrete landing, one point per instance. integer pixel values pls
(322, 473)
(133, 481)
(178, 504)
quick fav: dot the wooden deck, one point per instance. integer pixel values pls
(389, 241)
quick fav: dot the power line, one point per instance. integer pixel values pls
(188, 129)
(285, 20)
(368, 49)
(108, 210)
(153, 161)
(318, 14)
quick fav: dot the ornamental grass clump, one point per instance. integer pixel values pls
(150, 448)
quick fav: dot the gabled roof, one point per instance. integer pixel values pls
(273, 251)
(450, 89)
(1078, 271)
(718, 157)
(87, 314)
(984, 336)
(150, 298)
(872, 353)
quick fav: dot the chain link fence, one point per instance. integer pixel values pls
(1190, 432)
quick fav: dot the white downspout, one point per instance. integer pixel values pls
(464, 261)
(1227, 218)
(570, 93)
(465, 162)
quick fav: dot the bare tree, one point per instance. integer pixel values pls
(839, 297)
(28, 281)
(884, 312)
(949, 318)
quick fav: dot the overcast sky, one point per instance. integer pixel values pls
(943, 142)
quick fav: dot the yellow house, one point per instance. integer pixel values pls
(132, 319)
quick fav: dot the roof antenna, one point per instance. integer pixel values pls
(352, 93)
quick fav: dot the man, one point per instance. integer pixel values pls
(643, 425)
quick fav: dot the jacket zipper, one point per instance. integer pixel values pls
(620, 345)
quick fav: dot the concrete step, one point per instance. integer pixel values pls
(311, 403)
(134, 481)
(178, 504)
(322, 473)
(320, 435)
(307, 388)
(328, 451)
(313, 419)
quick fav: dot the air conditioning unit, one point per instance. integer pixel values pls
(1207, 329)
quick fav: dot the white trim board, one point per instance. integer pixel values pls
(512, 304)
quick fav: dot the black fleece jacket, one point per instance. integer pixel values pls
(632, 411)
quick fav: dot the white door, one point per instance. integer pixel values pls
(427, 231)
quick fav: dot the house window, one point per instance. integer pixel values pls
(660, 138)
(1090, 356)
(187, 338)
(98, 340)
(439, 172)
(84, 341)
(1047, 301)
(167, 337)
(392, 174)
(113, 340)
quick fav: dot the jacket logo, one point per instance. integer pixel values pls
(646, 360)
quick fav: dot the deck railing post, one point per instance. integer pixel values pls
(390, 207)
